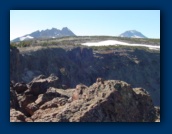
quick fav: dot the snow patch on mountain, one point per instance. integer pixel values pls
(44, 34)
(25, 37)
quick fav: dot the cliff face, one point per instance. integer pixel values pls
(140, 68)
(104, 101)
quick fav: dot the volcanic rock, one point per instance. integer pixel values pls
(104, 101)
(40, 84)
(103, 104)
(74, 65)
(16, 116)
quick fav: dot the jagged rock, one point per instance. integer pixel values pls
(16, 116)
(24, 101)
(49, 95)
(20, 87)
(15, 64)
(56, 102)
(31, 108)
(13, 98)
(157, 109)
(37, 87)
(104, 101)
(84, 65)
(100, 80)
(78, 92)
(107, 103)
(40, 84)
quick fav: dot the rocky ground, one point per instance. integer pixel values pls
(42, 100)
(46, 77)
(74, 65)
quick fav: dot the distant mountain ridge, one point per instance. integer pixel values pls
(132, 34)
(48, 33)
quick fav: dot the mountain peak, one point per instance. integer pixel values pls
(53, 28)
(132, 34)
(65, 29)
(48, 33)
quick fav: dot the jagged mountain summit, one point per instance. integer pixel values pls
(48, 33)
(132, 34)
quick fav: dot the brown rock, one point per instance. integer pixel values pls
(145, 104)
(16, 116)
(40, 84)
(115, 102)
(31, 108)
(100, 80)
(79, 92)
(24, 100)
(28, 120)
(55, 103)
(50, 94)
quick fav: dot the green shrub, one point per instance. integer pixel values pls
(12, 45)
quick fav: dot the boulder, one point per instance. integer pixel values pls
(50, 94)
(144, 104)
(16, 116)
(54, 103)
(31, 108)
(24, 100)
(79, 92)
(40, 84)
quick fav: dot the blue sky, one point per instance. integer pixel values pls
(86, 22)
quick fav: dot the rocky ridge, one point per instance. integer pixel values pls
(45, 34)
(41, 100)
(75, 65)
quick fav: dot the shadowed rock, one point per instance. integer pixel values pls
(75, 65)
(13, 99)
(20, 87)
(104, 101)
(16, 116)
(107, 103)
(40, 84)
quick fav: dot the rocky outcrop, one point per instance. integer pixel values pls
(16, 116)
(104, 101)
(15, 64)
(83, 65)
(20, 87)
(13, 97)
(40, 84)
(22, 95)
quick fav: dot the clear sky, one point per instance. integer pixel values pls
(86, 22)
